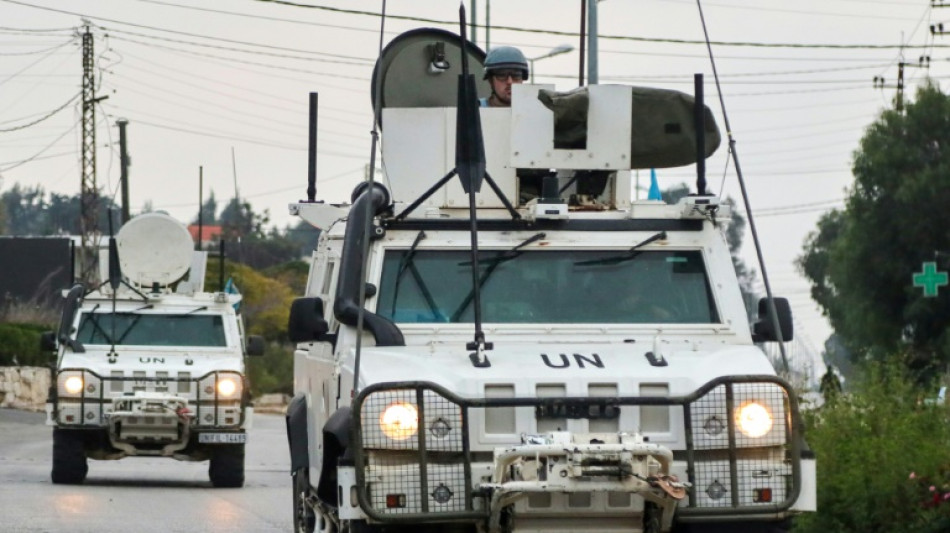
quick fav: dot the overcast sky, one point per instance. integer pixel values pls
(200, 80)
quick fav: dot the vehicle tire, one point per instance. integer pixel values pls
(305, 520)
(69, 457)
(227, 466)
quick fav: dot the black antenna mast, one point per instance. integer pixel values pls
(470, 165)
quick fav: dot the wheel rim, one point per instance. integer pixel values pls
(305, 521)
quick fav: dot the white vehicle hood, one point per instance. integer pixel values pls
(575, 366)
(196, 362)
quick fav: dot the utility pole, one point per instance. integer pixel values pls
(593, 74)
(879, 81)
(89, 193)
(124, 163)
(473, 29)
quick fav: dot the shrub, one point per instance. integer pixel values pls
(874, 446)
(274, 372)
(20, 345)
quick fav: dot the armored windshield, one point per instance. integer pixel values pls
(548, 286)
(146, 329)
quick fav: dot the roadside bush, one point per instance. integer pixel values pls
(883, 461)
(20, 345)
(274, 372)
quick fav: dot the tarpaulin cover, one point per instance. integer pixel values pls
(662, 130)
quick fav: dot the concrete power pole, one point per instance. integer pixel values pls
(124, 163)
(593, 75)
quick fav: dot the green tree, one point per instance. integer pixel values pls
(208, 212)
(861, 260)
(25, 209)
(238, 220)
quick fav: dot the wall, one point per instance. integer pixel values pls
(24, 387)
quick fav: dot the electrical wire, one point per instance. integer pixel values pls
(44, 117)
(41, 152)
(600, 36)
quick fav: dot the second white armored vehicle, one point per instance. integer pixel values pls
(149, 364)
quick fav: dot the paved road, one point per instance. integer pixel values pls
(141, 495)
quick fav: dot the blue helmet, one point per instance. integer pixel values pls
(505, 57)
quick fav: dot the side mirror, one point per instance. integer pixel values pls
(48, 341)
(306, 320)
(764, 331)
(254, 345)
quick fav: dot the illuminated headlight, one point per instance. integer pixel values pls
(399, 421)
(229, 387)
(73, 384)
(753, 419)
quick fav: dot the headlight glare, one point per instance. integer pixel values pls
(753, 419)
(73, 384)
(399, 421)
(227, 387)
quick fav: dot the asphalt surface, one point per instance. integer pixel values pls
(141, 495)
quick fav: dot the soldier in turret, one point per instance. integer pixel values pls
(504, 66)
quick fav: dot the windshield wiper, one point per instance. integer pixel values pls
(625, 256)
(407, 264)
(95, 323)
(493, 263)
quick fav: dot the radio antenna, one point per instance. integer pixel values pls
(368, 221)
(745, 196)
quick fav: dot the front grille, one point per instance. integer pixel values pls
(425, 472)
(93, 405)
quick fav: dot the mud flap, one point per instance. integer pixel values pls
(297, 433)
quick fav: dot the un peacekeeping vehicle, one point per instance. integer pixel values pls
(148, 363)
(543, 354)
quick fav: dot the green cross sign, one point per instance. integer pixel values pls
(930, 279)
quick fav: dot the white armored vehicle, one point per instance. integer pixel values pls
(549, 356)
(149, 364)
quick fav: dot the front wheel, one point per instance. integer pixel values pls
(227, 466)
(69, 457)
(305, 520)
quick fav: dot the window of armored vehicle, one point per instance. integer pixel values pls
(146, 329)
(549, 286)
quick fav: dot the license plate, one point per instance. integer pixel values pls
(222, 438)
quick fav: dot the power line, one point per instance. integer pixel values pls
(173, 74)
(352, 60)
(44, 117)
(241, 61)
(43, 51)
(494, 27)
(38, 154)
(143, 26)
(600, 36)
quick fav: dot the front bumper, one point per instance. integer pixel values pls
(435, 476)
(151, 415)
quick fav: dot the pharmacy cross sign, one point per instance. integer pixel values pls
(930, 280)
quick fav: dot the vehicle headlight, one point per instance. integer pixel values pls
(73, 384)
(753, 419)
(399, 421)
(228, 387)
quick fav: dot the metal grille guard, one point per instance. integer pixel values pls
(417, 459)
(202, 401)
